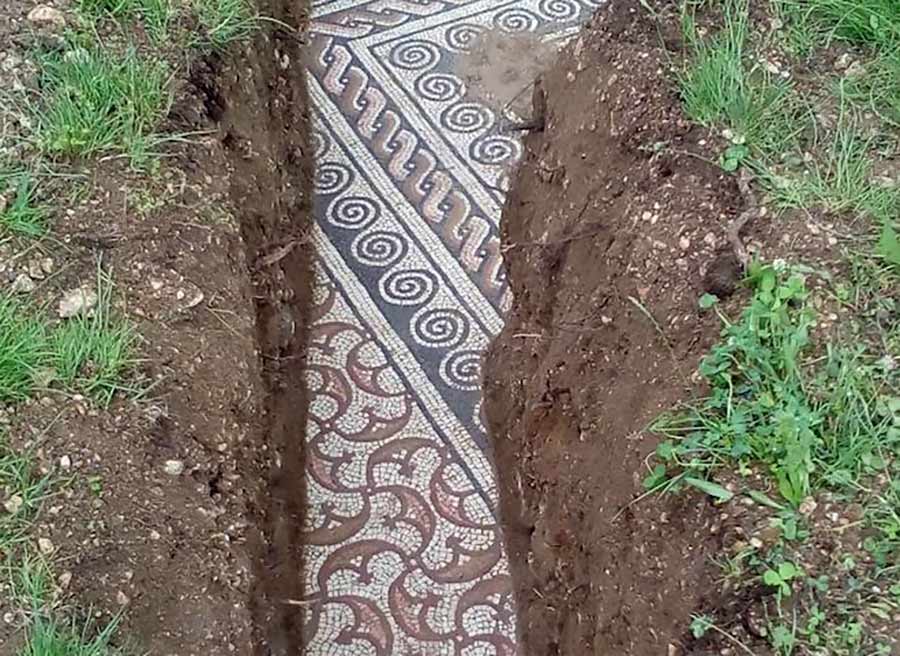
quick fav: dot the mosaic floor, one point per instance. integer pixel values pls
(404, 555)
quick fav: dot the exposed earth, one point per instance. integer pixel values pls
(177, 507)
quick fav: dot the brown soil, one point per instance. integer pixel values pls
(613, 230)
(216, 278)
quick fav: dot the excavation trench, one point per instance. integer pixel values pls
(606, 247)
(258, 102)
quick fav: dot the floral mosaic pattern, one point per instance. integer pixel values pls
(404, 553)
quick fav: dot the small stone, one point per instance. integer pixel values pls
(156, 284)
(570, 76)
(75, 301)
(65, 462)
(173, 467)
(46, 546)
(855, 70)
(646, 216)
(23, 284)
(684, 243)
(122, 598)
(843, 62)
(35, 270)
(64, 580)
(13, 504)
(47, 15)
(808, 506)
(710, 239)
(47, 265)
(154, 535)
(756, 543)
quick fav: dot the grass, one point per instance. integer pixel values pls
(794, 415)
(226, 21)
(720, 89)
(98, 101)
(22, 216)
(51, 636)
(157, 15)
(92, 352)
(23, 490)
(840, 179)
(22, 348)
(860, 22)
(30, 576)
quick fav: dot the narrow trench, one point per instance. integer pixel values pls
(379, 526)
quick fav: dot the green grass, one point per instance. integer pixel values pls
(720, 89)
(157, 15)
(860, 22)
(840, 179)
(22, 348)
(879, 89)
(21, 492)
(22, 216)
(809, 427)
(48, 636)
(225, 21)
(98, 101)
(92, 352)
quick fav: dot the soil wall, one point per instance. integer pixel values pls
(611, 232)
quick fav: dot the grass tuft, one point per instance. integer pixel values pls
(48, 636)
(97, 101)
(22, 216)
(225, 21)
(21, 491)
(720, 89)
(840, 179)
(93, 351)
(22, 349)
(157, 15)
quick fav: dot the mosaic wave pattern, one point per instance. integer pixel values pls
(404, 553)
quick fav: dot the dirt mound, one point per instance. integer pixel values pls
(612, 231)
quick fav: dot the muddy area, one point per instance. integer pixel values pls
(615, 225)
(180, 506)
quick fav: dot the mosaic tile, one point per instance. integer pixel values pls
(403, 548)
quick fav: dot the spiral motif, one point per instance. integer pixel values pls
(411, 287)
(415, 55)
(439, 87)
(320, 144)
(516, 20)
(494, 150)
(462, 370)
(466, 117)
(331, 178)
(440, 328)
(379, 248)
(559, 9)
(352, 212)
(461, 36)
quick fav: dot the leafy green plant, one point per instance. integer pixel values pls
(781, 577)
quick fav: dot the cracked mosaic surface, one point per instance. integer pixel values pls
(403, 549)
